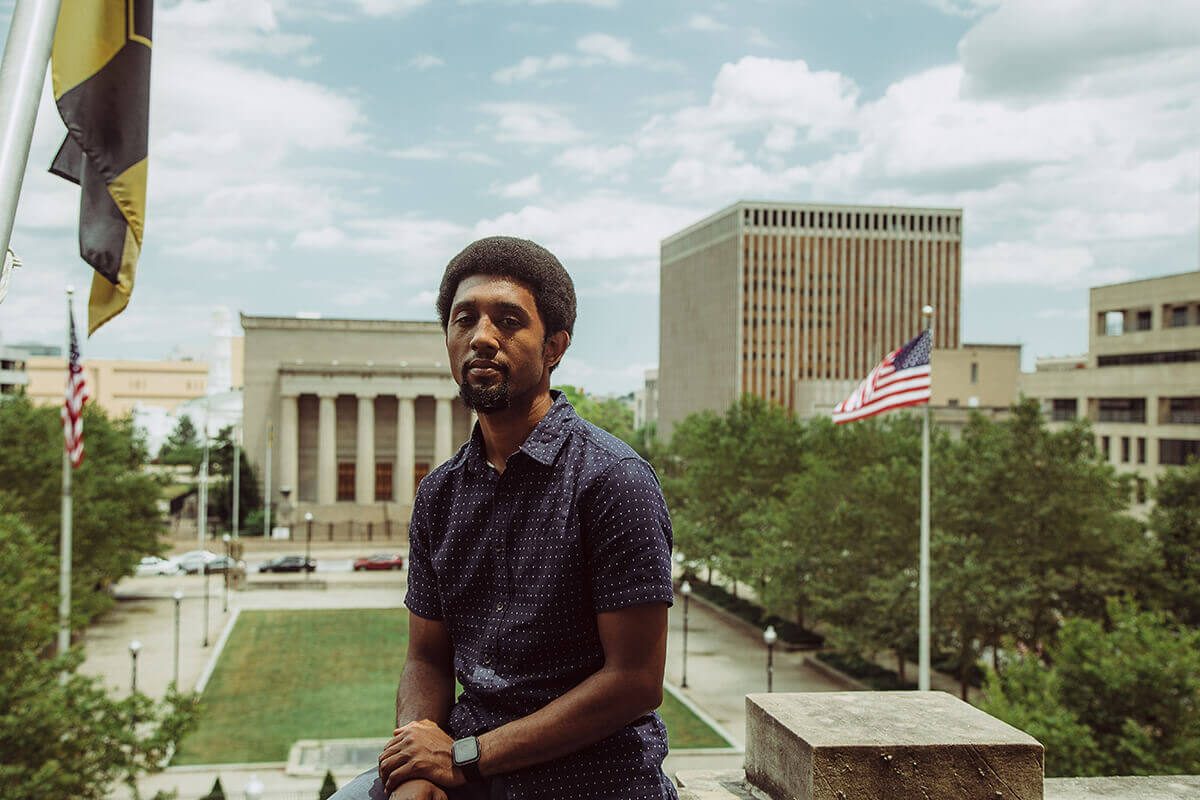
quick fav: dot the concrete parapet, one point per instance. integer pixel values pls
(925, 745)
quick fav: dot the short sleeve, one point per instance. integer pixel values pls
(422, 597)
(628, 538)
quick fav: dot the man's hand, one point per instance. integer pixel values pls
(419, 790)
(419, 750)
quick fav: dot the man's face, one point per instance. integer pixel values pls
(497, 343)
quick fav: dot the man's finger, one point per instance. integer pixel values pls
(398, 776)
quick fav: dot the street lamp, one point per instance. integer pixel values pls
(254, 788)
(685, 589)
(206, 574)
(308, 520)
(225, 599)
(178, 597)
(134, 648)
(769, 638)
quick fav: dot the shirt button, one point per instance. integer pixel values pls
(499, 606)
(486, 661)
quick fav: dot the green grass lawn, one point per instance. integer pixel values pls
(288, 675)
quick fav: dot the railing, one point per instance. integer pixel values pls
(1182, 418)
(1122, 415)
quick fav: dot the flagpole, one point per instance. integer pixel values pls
(64, 566)
(923, 645)
(22, 73)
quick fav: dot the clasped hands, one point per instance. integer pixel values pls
(416, 764)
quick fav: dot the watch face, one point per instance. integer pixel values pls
(465, 751)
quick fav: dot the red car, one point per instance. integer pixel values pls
(380, 561)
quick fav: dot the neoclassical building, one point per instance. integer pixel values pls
(350, 414)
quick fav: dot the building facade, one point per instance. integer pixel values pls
(645, 401)
(1139, 383)
(13, 375)
(795, 303)
(351, 414)
(120, 386)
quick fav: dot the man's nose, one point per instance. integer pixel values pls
(484, 341)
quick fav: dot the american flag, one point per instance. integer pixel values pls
(902, 379)
(77, 395)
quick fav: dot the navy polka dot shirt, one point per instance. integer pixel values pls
(517, 564)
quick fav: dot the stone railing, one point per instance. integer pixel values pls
(896, 746)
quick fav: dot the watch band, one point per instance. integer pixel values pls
(471, 772)
(469, 764)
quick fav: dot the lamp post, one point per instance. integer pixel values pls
(308, 520)
(685, 589)
(254, 788)
(178, 597)
(134, 648)
(769, 638)
(206, 574)
(225, 572)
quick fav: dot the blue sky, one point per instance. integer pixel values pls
(327, 156)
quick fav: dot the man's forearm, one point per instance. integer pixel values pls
(426, 691)
(598, 707)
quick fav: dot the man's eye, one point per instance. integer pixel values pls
(511, 322)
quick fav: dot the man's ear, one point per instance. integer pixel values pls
(555, 347)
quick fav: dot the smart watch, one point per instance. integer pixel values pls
(465, 755)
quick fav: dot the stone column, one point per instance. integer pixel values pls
(443, 433)
(364, 469)
(289, 444)
(406, 450)
(327, 450)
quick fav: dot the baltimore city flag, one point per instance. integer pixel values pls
(101, 72)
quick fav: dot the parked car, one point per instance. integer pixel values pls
(223, 564)
(379, 561)
(153, 565)
(288, 564)
(193, 561)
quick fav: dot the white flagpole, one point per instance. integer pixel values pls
(64, 566)
(22, 73)
(923, 645)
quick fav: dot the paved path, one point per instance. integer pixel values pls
(726, 660)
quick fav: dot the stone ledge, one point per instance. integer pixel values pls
(841, 745)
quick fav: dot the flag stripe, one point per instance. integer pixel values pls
(903, 378)
(74, 400)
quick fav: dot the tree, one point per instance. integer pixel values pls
(220, 497)
(1175, 521)
(183, 445)
(217, 792)
(60, 733)
(609, 414)
(1119, 696)
(328, 787)
(116, 516)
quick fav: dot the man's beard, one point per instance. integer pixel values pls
(485, 399)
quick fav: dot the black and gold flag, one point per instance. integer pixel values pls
(101, 72)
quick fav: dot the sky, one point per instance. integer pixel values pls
(331, 156)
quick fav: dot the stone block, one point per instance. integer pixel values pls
(886, 746)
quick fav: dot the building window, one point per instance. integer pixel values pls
(383, 480)
(1064, 409)
(420, 470)
(1122, 409)
(1143, 321)
(1141, 450)
(974, 372)
(345, 483)
(1114, 323)
(1163, 357)
(1183, 411)
(952, 402)
(1179, 316)
(1124, 449)
(1104, 449)
(1177, 452)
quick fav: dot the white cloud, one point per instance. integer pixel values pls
(425, 61)
(320, 238)
(1025, 263)
(1077, 312)
(596, 162)
(594, 49)
(444, 152)
(703, 22)
(388, 8)
(963, 8)
(529, 123)
(530, 186)
(756, 38)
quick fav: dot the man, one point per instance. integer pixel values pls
(539, 571)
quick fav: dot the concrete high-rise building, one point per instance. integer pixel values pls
(1139, 383)
(796, 302)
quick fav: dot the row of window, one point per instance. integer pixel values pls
(1142, 359)
(1172, 410)
(1171, 452)
(852, 220)
(1174, 315)
(347, 480)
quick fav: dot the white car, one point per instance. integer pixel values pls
(192, 562)
(153, 565)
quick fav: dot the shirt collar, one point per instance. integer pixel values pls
(543, 444)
